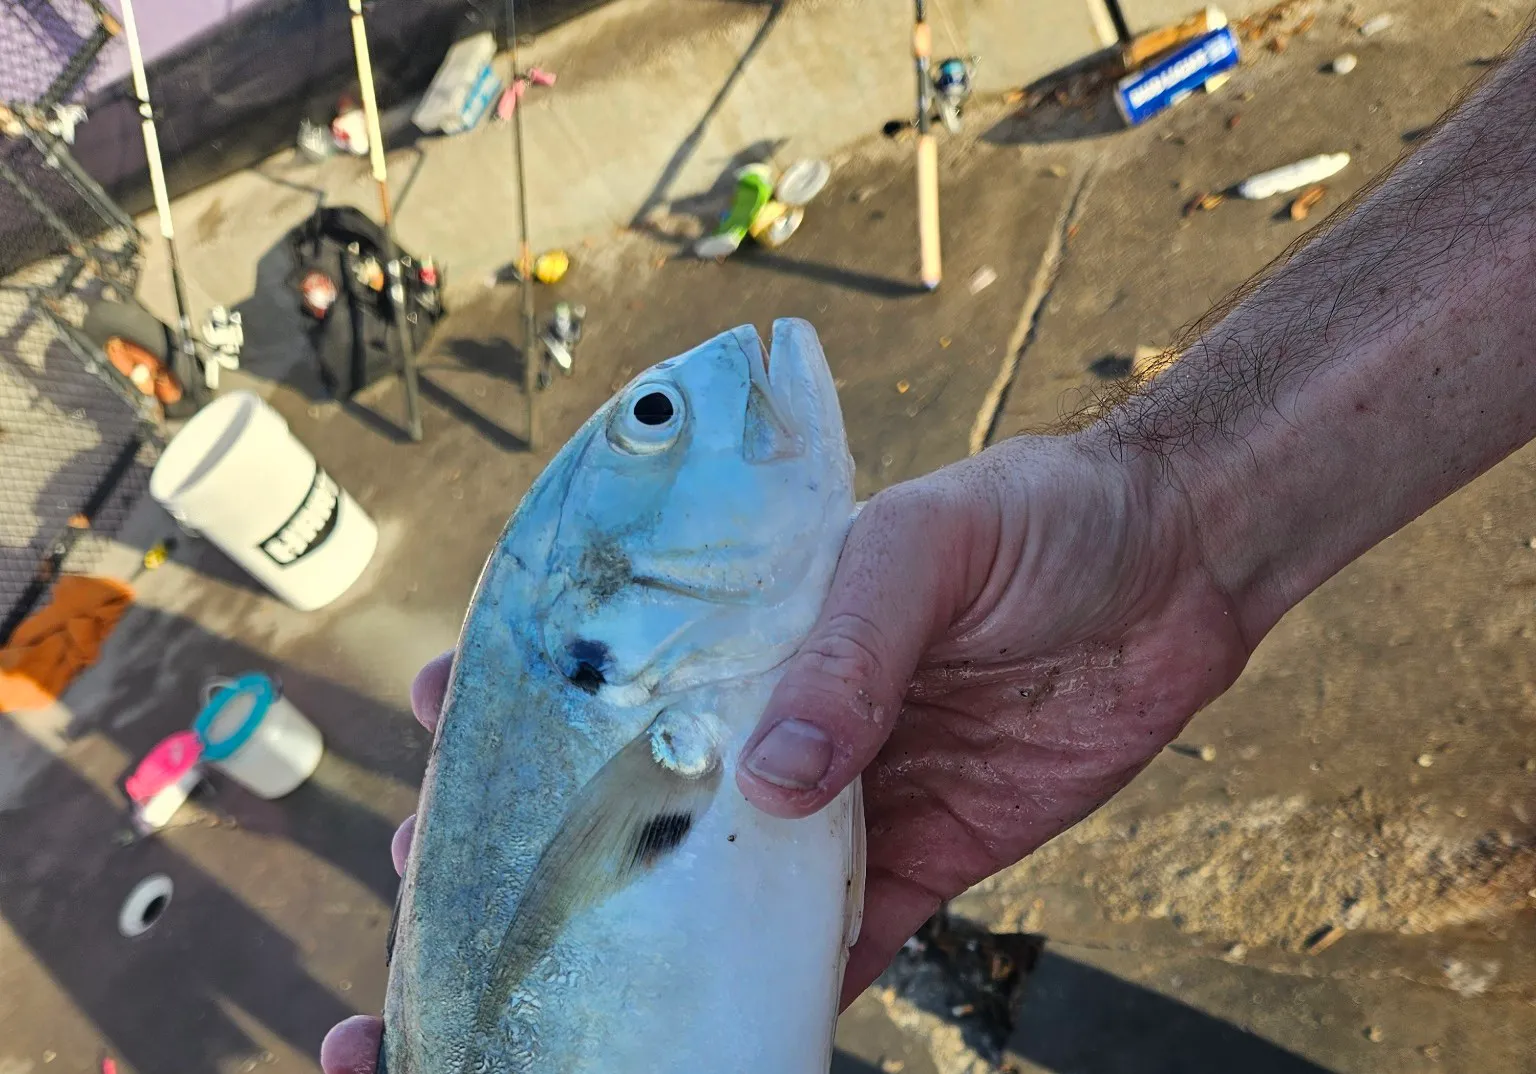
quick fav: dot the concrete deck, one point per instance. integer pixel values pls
(278, 923)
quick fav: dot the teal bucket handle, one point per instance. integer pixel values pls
(217, 693)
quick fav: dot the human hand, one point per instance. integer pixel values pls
(1006, 643)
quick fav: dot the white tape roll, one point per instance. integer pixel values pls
(144, 905)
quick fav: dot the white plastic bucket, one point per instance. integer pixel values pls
(255, 736)
(237, 475)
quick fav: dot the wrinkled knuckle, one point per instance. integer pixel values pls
(849, 649)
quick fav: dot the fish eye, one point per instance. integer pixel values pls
(653, 408)
(648, 420)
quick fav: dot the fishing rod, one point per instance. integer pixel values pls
(927, 153)
(525, 253)
(190, 373)
(397, 297)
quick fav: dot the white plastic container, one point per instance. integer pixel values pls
(1292, 176)
(256, 737)
(462, 88)
(237, 475)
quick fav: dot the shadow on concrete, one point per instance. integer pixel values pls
(1050, 122)
(1070, 105)
(756, 257)
(264, 171)
(155, 687)
(184, 995)
(1112, 366)
(493, 432)
(495, 357)
(472, 358)
(204, 557)
(686, 149)
(166, 1000)
(1076, 1019)
(843, 1063)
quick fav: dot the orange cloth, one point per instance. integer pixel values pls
(59, 640)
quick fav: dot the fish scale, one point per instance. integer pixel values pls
(588, 890)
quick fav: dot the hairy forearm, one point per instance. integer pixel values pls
(1386, 363)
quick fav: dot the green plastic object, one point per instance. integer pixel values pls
(754, 189)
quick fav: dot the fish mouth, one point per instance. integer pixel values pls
(794, 405)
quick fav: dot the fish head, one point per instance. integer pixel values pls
(691, 529)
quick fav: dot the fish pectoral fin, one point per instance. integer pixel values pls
(857, 865)
(635, 811)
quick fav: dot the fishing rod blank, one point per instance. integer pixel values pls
(927, 154)
(396, 282)
(190, 373)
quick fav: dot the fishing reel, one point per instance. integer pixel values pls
(559, 340)
(223, 336)
(951, 81)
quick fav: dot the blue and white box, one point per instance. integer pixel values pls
(1142, 95)
(464, 89)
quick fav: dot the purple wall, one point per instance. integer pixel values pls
(164, 26)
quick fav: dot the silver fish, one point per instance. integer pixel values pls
(588, 890)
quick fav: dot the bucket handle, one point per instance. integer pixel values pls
(219, 682)
(214, 752)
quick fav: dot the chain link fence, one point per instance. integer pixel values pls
(75, 451)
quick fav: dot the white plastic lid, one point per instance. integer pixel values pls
(802, 181)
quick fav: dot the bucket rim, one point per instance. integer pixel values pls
(205, 439)
(264, 693)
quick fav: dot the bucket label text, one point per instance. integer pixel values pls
(309, 526)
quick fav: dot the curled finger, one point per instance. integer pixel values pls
(352, 1046)
(429, 689)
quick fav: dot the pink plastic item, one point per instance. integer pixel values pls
(164, 766)
(514, 93)
(508, 103)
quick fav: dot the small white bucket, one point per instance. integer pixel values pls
(254, 735)
(237, 475)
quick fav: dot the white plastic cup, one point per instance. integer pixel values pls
(257, 737)
(238, 476)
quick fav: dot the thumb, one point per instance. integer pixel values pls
(895, 587)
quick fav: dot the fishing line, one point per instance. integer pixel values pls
(949, 29)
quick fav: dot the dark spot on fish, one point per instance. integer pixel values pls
(589, 658)
(731, 838)
(606, 568)
(660, 835)
(587, 678)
